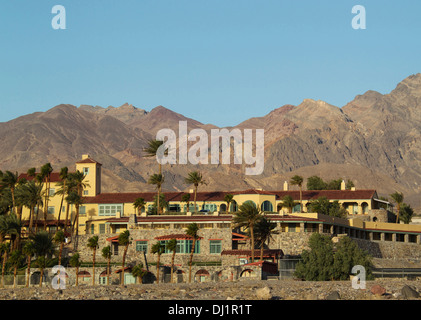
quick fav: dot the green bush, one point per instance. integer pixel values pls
(324, 261)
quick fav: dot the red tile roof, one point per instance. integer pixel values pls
(89, 160)
(54, 176)
(219, 195)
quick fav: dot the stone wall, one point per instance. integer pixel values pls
(133, 256)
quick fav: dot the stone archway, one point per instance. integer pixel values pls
(248, 273)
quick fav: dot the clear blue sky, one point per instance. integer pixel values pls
(218, 61)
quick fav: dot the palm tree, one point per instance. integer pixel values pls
(31, 195)
(139, 204)
(107, 254)
(172, 246)
(288, 202)
(159, 249)
(152, 149)
(248, 216)
(228, 198)
(29, 251)
(75, 262)
(15, 260)
(76, 179)
(263, 231)
(10, 179)
(12, 226)
(43, 245)
(46, 171)
(186, 198)
(4, 251)
(298, 181)
(124, 240)
(63, 191)
(139, 272)
(59, 239)
(192, 231)
(93, 245)
(398, 198)
(157, 180)
(195, 178)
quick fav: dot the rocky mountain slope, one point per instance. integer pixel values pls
(373, 140)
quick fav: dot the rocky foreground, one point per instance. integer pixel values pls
(380, 289)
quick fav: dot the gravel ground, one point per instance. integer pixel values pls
(242, 290)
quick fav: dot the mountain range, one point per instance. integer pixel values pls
(374, 140)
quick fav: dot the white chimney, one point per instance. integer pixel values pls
(343, 185)
(286, 186)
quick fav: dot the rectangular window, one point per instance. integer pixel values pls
(51, 210)
(92, 228)
(215, 246)
(102, 228)
(85, 171)
(291, 227)
(82, 210)
(52, 192)
(85, 192)
(109, 209)
(142, 246)
(183, 246)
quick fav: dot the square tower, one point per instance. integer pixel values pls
(92, 170)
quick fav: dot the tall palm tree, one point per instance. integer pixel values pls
(75, 262)
(78, 183)
(93, 245)
(195, 178)
(15, 260)
(63, 191)
(138, 272)
(192, 231)
(152, 149)
(44, 247)
(298, 181)
(46, 171)
(172, 246)
(28, 250)
(10, 180)
(107, 254)
(228, 198)
(247, 217)
(398, 198)
(157, 180)
(159, 249)
(263, 230)
(139, 204)
(124, 240)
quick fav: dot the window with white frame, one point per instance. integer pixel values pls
(109, 209)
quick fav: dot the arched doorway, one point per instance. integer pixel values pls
(201, 276)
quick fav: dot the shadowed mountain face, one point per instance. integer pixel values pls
(374, 140)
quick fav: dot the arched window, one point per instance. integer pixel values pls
(267, 206)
